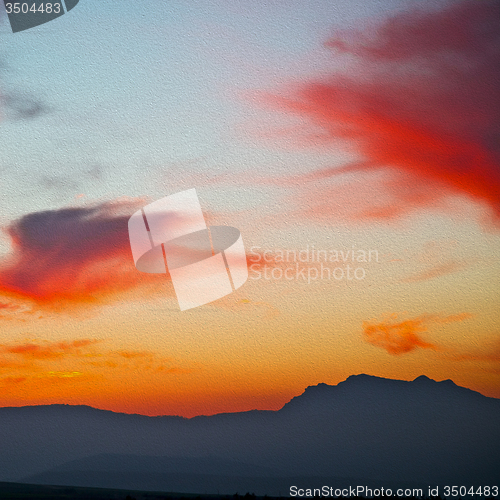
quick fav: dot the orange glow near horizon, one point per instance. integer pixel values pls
(393, 146)
(91, 372)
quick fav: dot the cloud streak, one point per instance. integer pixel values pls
(420, 102)
(87, 358)
(48, 351)
(436, 271)
(18, 104)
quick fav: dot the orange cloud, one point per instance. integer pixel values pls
(9, 306)
(9, 309)
(132, 354)
(421, 102)
(489, 353)
(397, 337)
(79, 358)
(12, 381)
(452, 318)
(400, 337)
(47, 351)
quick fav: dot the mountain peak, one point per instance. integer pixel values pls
(364, 385)
(364, 377)
(426, 380)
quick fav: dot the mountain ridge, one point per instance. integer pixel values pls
(348, 382)
(365, 427)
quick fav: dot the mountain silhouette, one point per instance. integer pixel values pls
(366, 429)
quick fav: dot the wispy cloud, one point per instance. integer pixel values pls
(82, 358)
(487, 355)
(436, 271)
(438, 258)
(420, 102)
(18, 104)
(55, 181)
(9, 306)
(47, 351)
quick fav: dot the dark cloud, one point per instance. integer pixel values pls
(16, 103)
(73, 181)
(22, 106)
(58, 182)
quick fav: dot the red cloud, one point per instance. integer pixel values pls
(76, 256)
(71, 255)
(421, 101)
(12, 381)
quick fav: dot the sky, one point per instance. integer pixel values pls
(355, 146)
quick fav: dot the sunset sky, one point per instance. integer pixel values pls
(365, 130)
